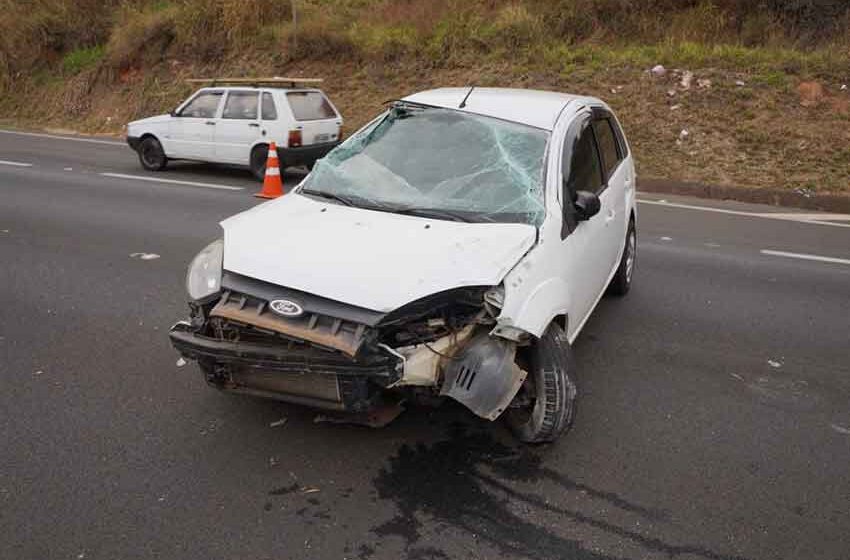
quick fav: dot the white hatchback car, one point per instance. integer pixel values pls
(235, 124)
(453, 247)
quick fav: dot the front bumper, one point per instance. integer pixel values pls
(303, 375)
(305, 155)
(134, 142)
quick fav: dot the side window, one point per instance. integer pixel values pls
(585, 171)
(241, 105)
(310, 106)
(269, 110)
(608, 145)
(203, 106)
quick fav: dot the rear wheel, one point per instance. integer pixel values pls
(259, 157)
(545, 406)
(151, 155)
(621, 283)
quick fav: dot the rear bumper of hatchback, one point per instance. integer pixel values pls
(305, 155)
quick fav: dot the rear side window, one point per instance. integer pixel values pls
(203, 106)
(310, 106)
(607, 141)
(240, 105)
(269, 110)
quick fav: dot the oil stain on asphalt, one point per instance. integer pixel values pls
(469, 482)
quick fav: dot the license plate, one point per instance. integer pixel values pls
(321, 138)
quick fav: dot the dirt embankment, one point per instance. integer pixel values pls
(756, 98)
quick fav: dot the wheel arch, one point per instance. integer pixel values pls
(534, 311)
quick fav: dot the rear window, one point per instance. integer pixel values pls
(310, 106)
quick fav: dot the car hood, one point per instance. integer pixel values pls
(151, 120)
(370, 259)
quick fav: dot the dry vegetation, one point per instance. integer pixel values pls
(95, 64)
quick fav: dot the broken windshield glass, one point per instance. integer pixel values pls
(435, 159)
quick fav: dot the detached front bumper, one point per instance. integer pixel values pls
(305, 155)
(134, 142)
(302, 375)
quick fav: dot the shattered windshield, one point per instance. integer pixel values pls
(438, 163)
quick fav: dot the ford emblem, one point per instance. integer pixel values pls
(286, 308)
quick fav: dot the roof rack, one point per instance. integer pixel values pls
(274, 81)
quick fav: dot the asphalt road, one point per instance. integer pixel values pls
(714, 420)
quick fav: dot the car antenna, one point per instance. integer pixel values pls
(463, 103)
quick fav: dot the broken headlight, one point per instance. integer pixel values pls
(204, 276)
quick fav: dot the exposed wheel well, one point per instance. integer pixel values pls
(562, 321)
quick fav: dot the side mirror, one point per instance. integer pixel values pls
(173, 112)
(587, 204)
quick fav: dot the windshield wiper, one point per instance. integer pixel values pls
(436, 213)
(329, 195)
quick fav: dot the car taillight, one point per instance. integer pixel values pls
(294, 138)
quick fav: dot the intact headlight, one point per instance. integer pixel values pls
(204, 276)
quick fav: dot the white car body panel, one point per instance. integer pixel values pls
(546, 284)
(539, 109)
(375, 260)
(234, 138)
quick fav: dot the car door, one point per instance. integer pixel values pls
(239, 127)
(314, 116)
(584, 246)
(617, 178)
(192, 130)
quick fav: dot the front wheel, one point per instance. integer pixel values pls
(621, 283)
(151, 155)
(545, 406)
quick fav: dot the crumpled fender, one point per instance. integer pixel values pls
(483, 376)
(532, 310)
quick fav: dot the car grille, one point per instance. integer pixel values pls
(239, 316)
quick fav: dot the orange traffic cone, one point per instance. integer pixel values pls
(272, 185)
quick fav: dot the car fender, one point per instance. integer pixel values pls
(152, 126)
(531, 308)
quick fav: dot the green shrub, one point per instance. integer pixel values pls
(80, 59)
(515, 28)
(384, 42)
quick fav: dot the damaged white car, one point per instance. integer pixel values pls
(453, 247)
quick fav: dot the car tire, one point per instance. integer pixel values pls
(621, 283)
(550, 390)
(151, 155)
(259, 157)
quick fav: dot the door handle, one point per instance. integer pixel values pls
(255, 125)
(211, 123)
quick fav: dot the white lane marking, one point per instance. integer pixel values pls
(804, 256)
(786, 217)
(840, 429)
(58, 137)
(15, 163)
(817, 216)
(144, 256)
(172, 181)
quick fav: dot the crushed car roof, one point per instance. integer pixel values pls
(526, 106)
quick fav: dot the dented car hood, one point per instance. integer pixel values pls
(371, 259)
